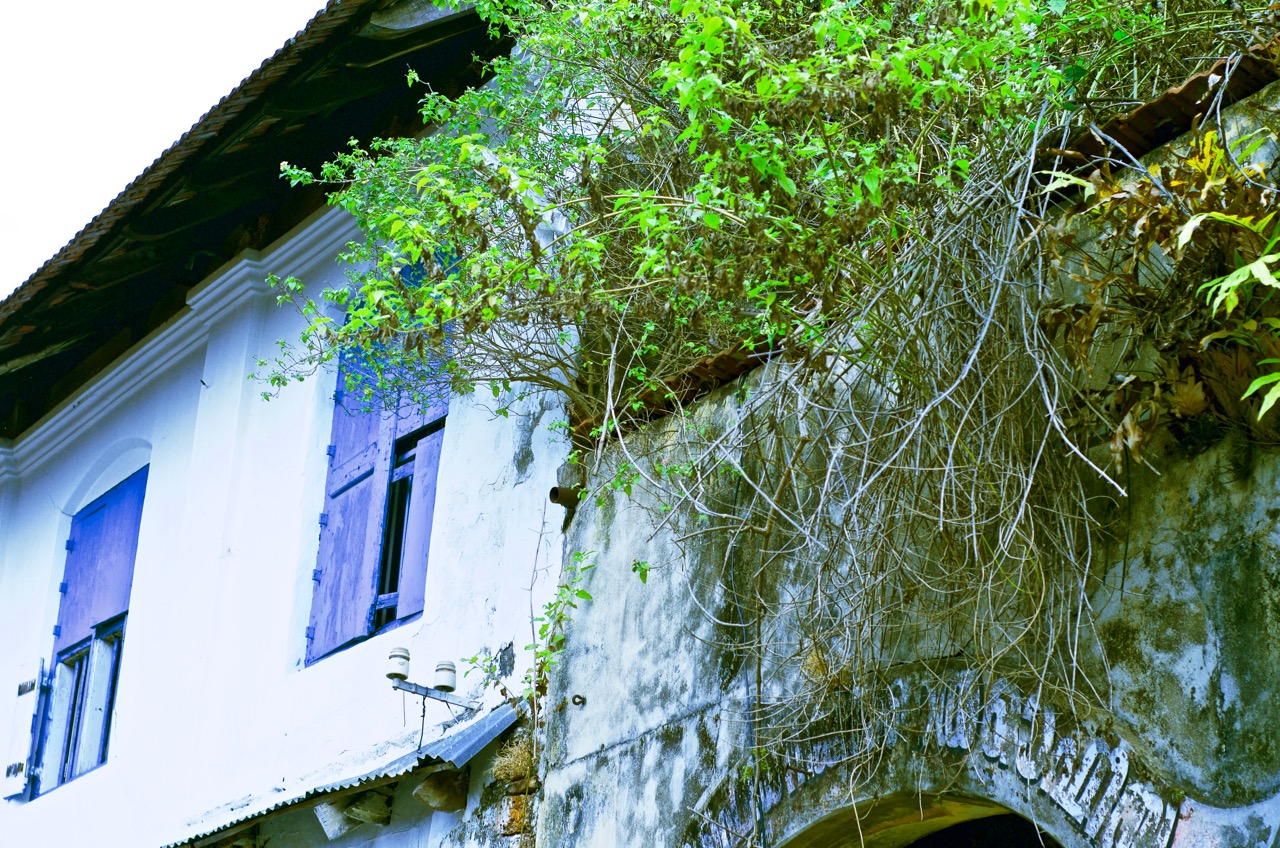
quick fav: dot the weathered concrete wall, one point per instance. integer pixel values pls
(655, 750)
(657, 724)
(649, 740)
(1190, 619)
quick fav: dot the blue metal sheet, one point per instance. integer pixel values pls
(456, 749)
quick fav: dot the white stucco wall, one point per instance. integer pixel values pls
(216, 714)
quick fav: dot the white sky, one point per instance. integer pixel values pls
(92, 91)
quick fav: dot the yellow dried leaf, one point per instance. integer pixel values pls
(1186, 396)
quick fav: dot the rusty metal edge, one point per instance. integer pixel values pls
(1183, 104)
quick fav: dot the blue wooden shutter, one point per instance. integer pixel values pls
(412, 416)
(346, 575)
(413, 567)
(422, 501)
(100, 554)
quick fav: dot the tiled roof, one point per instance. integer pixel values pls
(218, 190)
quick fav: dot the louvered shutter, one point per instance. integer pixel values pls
(413, 416)
(346, 575)
(100, 554)
(413, 567)
(422, 500)
(21, 752)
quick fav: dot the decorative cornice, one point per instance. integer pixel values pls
(308, 249)
(300, 253)
(324, 233)
(8, 466)
(240, 281)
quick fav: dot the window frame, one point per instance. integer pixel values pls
(81, 706)
(374, 543)
(401, 524)
(72, 736)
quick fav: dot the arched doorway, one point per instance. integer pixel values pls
(916, 820)
(1005, 830)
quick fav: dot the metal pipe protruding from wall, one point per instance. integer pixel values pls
(566, 496)
(428, 692)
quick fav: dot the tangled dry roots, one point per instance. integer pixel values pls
(906, 494)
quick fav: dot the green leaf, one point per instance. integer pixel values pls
(1264, 380)
(1064, 180)
(1223, 292)
(1263, 273)
(1273, 394)
(1189, 229)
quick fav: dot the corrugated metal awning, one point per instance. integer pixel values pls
(456, 748)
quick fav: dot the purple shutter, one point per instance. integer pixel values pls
(422, 500)
(417, 541)
(346, 576)
(100, 553)
(413, 417)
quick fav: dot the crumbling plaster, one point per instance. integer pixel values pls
(653, 751)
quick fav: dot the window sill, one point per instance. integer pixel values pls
(386, 628)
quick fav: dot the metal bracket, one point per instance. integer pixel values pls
(428, 692)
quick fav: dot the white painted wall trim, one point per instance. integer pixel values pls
(8, 465)
(308, 248)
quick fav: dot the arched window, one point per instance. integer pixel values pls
(89, 637)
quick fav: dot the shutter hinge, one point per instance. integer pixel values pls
(71, 544)
(324, 519)
(315, 574)
(57, 630)
(62, 588)
(311, 633)
(331, 451)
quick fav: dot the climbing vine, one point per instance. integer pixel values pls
(873, 198)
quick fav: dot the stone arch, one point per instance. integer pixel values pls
(904, 820)
(950, 753)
